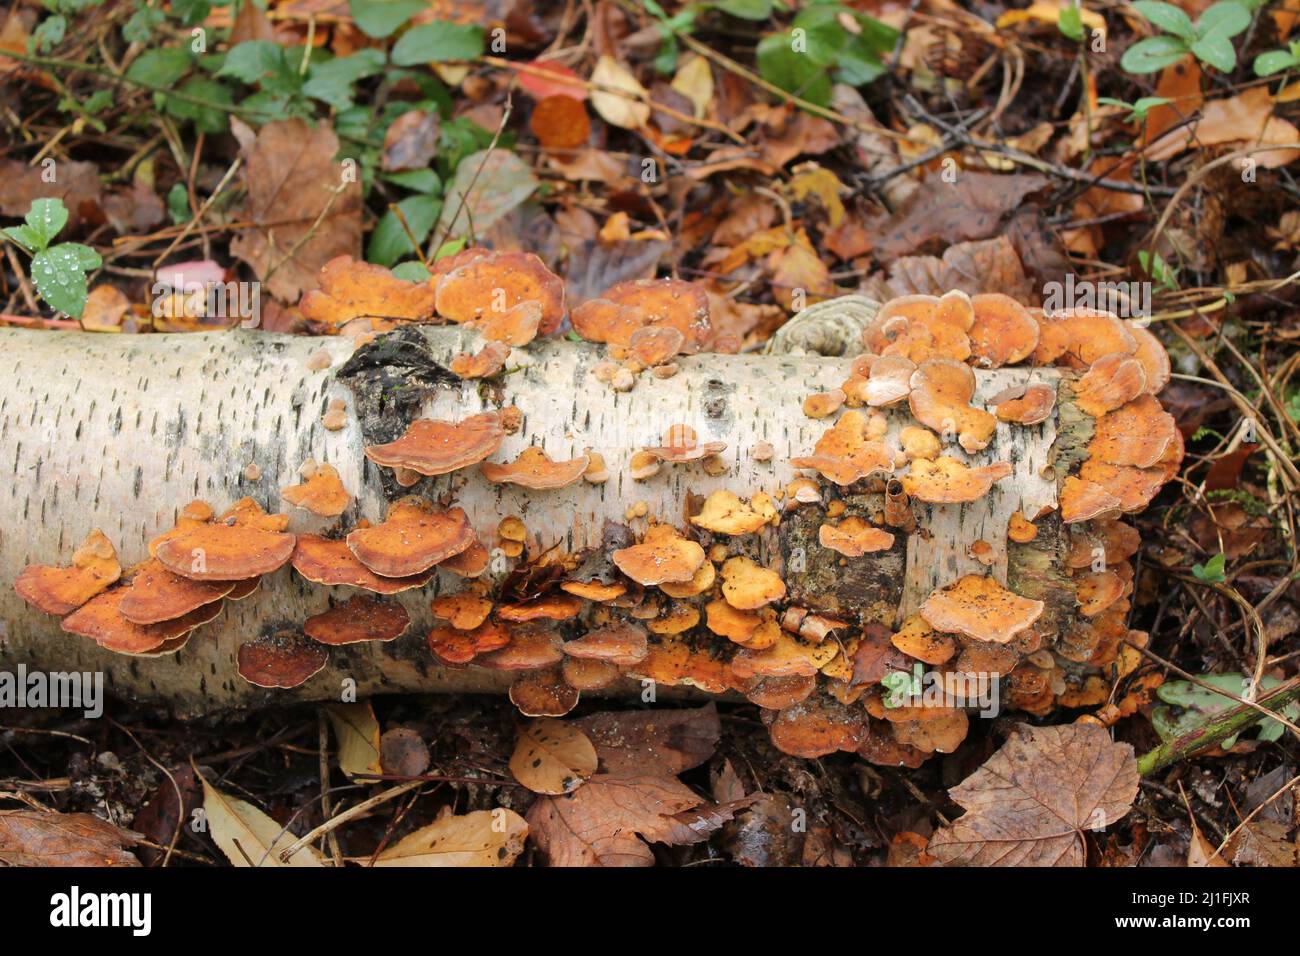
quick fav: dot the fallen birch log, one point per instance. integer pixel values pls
(121, 433)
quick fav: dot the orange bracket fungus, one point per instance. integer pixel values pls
(535, 469)
(947, 481)
(358, 619)
(724, 513)
(322, 494)
(61, 590)
(980, 608)
(438, 447)
(496, 282)
(940, 396)
(679, 444)
(413, 538)
(622, 309)
(323, 561)
(845, 454)
(854, 537)
(155, 594)
(281, 660)
(663, 555)
(225, 552)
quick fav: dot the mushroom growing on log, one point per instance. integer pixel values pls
(805, 578)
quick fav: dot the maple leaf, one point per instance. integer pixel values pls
(1031, 801)
(36, 838)
(305, 210)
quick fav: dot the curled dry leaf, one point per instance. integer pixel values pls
(482, 838)
(552, 756)
(357, 732)
(247, 836)
(1031, 802)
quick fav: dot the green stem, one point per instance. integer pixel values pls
(1224, 725)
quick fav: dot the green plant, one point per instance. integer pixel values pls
(1209, 39)
(1275, 61)
(1191, 706)
(59, 271)
(1138, 110)
(1212, 570)
(818, 51)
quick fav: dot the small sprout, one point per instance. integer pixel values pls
(281, 660)
(323, 493)
(360, 619)
(1211, 571)
(438, 447)
(60, 591)
(747, 586)
(980, 608)
(497, 282)
(413, 538)
(534, 469)
(323, 561)
(854, 537)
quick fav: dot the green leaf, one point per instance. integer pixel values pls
(416, 180)
(160, 68)
(49, 34)
(206, 119)
(795, 72)
(1211, 570)
(438, 42)
(1274, 61)
(389, 243)
(331, 82)
(746, 9)
(178, 204)
(25, 237)
(253, 61)
(1167, 17)
(1070, 22)
(450, 248)
(379, 18)
(60, 276)
(139, 28)
(1191, 706)
(46, 219)
(1226, 18)
(411, 271)
(1153, 54)
(1216, 51)
(192, 12)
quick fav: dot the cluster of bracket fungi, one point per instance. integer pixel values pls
(691, 605)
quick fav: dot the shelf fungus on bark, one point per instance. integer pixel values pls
(959, 515)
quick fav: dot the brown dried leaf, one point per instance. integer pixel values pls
(671, 742)
(36, 838)
(1031, 801)
(552, 756)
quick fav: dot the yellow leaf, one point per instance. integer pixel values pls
(552, 757)
(1050, 13)
(247, 836)
(357, 732)
(812, 180)
(618, 97)
(694, 80)
(482, 838)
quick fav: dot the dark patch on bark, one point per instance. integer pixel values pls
(864, 589)
(1036, 570)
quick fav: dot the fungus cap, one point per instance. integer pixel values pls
(817, 727)
(980, 608)
(1024, 404)
(947, 481)
(544, 693)
(101, 620)
(357, 620)
(281, 660)
(680, 444)
(1138, 434)
(471, 290)
(1112, 381)
(663, 555)
(531, 647)
(435, 447)
(844, 453)
(225, 552)
(155, 594)
(729, 622)
(1003, 332)
(675, 303)
(584, 674)
(549, 607)
(322, 494)
(940, 397)
(700, 582)
(413, 538)
(656, 344)
(324, 561)
(464, 610)
(60, 591)
(534, 469)
(889, 381)
(456, 647)
(854, 537)
(484, 363)
(748, 586)
(515, 326)
(1083, 500)
(620, 644)
(724, 513)
(600, 320)
(594, 590)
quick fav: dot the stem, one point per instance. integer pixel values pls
(1222, 726)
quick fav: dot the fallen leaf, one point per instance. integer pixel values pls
(552, 756)
(667, 741)
(76, 183)
(488, 184)
(306, 209)
(1245, 120)
(482, 838)
(246, 835)
(618, 98)
(411, 140)
(37, 838)
(357, 733)
(1031, 801)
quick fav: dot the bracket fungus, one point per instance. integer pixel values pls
(748, 586)
(101, 620)
(225, 552)
(724, 513)
(940, 399)
(1029, 404)
(846, 454)
(322, 493)
(980, 608)
(325, 561)
(499, 281)
(625, 307)
(663, 555)
(413, 538)
(62, 590)
(358, 619)
(534, 469)
(854, 537)
(434, 447)
(155, 594)
(680, 445)
(280, 660)
(947, 481)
